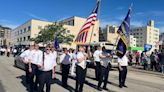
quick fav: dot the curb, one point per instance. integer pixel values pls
(136, 69)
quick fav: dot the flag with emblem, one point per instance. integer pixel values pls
(83, 33)
(123, 33)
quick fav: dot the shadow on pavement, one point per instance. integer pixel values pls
(86, 82)
(57, 81)
(114, 84)
(1, 87)
(23, 81)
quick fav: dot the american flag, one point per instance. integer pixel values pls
(83, 33)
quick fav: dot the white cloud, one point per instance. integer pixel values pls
(137, 23)
(8, 23)
(103, 23)
(35, 16)
(12, 26)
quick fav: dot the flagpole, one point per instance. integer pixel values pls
(95, 22)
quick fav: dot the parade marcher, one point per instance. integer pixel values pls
(74, 61)
(47, 71)
(65, 60)
(105, 59)
(14, 52)
(54, 52)
(96, 56)
(80, 69)
(1, 51)
(122, 67)
(35, 63)
(24, 57)
(8, 52)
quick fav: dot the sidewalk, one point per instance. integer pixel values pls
(140, 69)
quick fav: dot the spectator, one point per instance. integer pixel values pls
(137, 58)
(153, 61)
(144, 60)
(161, 61)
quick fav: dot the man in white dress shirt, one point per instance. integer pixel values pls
(97, 59)
(122, 66)
(47, 71)
(36, 57)
(65, 60)
(24, 57)
(104, 72)
(74, 61)
(80, 69)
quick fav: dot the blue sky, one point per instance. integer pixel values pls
(16, 12)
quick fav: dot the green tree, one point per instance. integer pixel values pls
(48, 33)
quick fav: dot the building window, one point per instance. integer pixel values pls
(17, 40)
(40, 27)
(24, 38)
(94, 34)
(20, 31)
(28, 37)
(20, 39)
(24, 30)
(68, 31)
(29, 28)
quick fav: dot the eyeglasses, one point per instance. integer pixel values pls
(48, 49)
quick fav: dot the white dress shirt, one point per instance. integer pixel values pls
(96, 55)
(36, 57)
(105, 61)
(26, 55)
(65, 59)
(82, 64)
(123, 61)
(54, 53)
(49, 62)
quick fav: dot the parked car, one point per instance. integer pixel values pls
(18, 63)
(114, 61)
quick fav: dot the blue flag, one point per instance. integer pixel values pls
(123, 33)
(121, 48)
(56, 43)
(147, 47)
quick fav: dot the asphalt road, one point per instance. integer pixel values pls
(12, 79)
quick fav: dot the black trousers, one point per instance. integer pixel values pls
(103, 76)
(27, 73)
(80, 78)
(34, 73)
(97, 70)
(45, 77)
(122, 75)
(65, 72)
(154, 65)
(8, 54)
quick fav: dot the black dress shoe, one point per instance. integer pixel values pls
(125, 86)
(120, 86)
(99, 89)
(105, 88)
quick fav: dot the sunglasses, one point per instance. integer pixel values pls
(48, 49)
